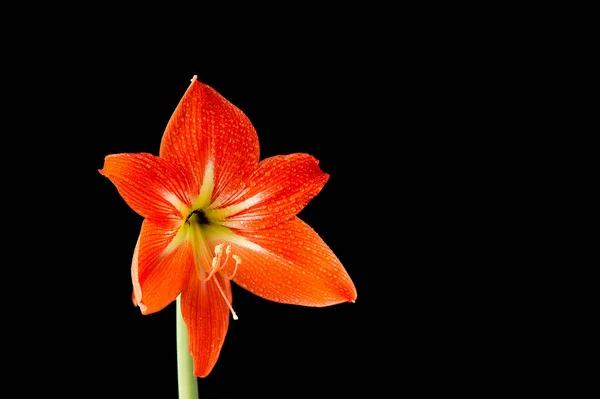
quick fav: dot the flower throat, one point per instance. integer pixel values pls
(200, 215)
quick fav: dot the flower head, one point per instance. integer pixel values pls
(213, 213)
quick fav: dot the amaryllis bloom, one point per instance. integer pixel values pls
(213, 213)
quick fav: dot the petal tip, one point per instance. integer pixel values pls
(202, 375)
(202, 370)
(351, 295)
(143, 309)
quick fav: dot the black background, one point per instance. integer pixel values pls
(351, 122)
(386, 108)
(317, 106)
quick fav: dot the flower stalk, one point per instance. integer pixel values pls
(186, 380)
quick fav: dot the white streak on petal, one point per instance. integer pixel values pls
(180, 206)
(222, 233)
(224, 213)
(207, 188)
(180, 237)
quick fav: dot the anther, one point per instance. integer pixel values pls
(218, 264)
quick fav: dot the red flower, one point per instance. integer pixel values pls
(214, 213)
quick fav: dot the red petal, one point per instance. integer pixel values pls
(276, 192)
(206, 127)
(151, 186)
(206, 316)
(291, 264)
(160, 268)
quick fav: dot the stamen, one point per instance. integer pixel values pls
(235, 317)
(238, 261)
(215, 268)
(226, 259)
(217, 265)
(201, 256)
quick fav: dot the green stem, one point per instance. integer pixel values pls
(187, 381)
